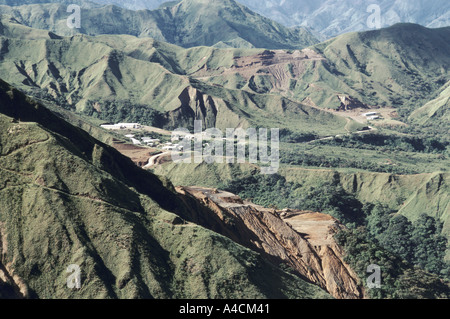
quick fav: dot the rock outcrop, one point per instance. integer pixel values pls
(349, 103)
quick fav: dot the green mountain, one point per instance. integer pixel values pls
(222, 23)
(67, 198)
(406, 195)
(388, 67)
(135, 236)
(383, 68)
(392, 66)
(123, 78)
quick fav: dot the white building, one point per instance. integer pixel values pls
(175, 147)
(129, 125)
(135, 141)
(110, 127)
(150, 140)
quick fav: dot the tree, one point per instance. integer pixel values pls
(377, 219)
(397, 237)
(429, 244)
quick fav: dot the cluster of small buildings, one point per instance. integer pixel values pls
(150, 141)
(144, 140)
(177, 136)
(153, 142)
(172, 147)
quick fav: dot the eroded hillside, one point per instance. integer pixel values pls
(302, 240)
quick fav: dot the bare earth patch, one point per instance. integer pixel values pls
(137, 154)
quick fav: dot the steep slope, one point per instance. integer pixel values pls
(388, 67)
(189, 23)
(384, 68)
(410, 195)
(302, 240)
(68, 199)
(122, 78)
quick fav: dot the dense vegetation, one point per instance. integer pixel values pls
(399, 279)
(312, 159)
(125, 111)
(384, 142)
(274, 190)
(418, 243)
(288, 136)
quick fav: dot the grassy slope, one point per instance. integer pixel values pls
(435, 112)
(68, 199)
(387, 67)
(391, 66)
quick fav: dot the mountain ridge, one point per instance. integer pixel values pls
(326, 18)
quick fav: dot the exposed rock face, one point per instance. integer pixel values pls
(318, 229)
(211, 111)
(194, 105)
(349, 103)
(270, 71)
(302, 240)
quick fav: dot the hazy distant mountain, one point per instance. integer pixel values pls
(333, 17)
(328, 17)
(128, 4)
(223, 23)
